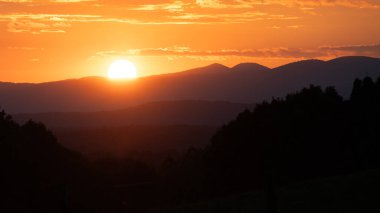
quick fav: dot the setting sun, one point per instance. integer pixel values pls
(122, 69)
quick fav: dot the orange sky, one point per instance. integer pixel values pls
(44, 40)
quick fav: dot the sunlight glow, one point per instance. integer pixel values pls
(122, 69)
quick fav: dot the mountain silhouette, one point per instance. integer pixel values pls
(244, 83)
(249, 67)
(210, 69)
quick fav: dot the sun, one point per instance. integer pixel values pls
(122, 69)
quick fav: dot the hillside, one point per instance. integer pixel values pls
(156, 113)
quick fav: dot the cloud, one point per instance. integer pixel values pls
(186, 51)
(281, 52)
(32, 27)
(39, 23)
(45, 1)
(294, 26)
(57, 23)
(22, 15)
(210, 4)
(232, 17)
(302, 4)
(318, 3)
(368, 50)
(221, 3)
(176, 6)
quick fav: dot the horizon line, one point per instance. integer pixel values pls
(183, 71)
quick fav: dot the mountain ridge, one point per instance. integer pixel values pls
(213, 65)
(215, 82)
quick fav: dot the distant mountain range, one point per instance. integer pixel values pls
(244, 83)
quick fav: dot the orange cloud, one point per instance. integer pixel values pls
(176, 6)
(317, 3)
(167, 12)
(281, 52)
(41, 23)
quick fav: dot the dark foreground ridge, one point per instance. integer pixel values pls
(268, 160)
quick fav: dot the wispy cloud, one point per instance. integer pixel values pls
(56, 23)
(366, 50)
(27, 15)
(46, 1)
(40, 23)
(211, 4)
(176, 6)
(162, 12)
(281, 52)
(232, 17)
(317, 3)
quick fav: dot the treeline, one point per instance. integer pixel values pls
(309, 134)
(37, 174)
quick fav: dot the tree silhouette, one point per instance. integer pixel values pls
(40, 175)
(307, 134)
(31, 162)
